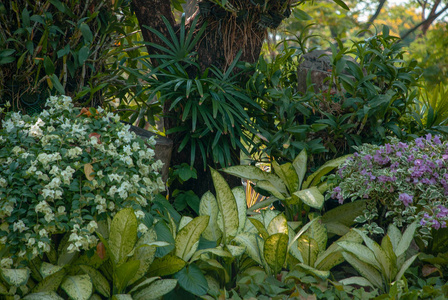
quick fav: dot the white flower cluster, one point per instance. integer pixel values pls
(73, 169)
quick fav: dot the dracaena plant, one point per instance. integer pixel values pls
(63, 171)
(288, 184)
(380, 265)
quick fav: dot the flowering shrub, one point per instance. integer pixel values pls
(407, 181)
(64, 170)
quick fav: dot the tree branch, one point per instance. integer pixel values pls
(428, 20)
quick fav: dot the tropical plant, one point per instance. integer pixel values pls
(380, 265)
(288, 184)
(119, 265)
(63, 47)
(213, 109)
(65, 170)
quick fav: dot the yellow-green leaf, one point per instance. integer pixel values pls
(15, 277)
(156, 289)
(123, 235)
(167, 265)
(279, 224)
(100, 283)
(188, 237)
(275, 250)
(311, 197)
(78, 287)
(209, 207)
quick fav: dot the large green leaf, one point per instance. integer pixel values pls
(288, 174)
(15, 277)
(394, 235)
(327, 167)
(318, 232)
(406, 239)
(405, 266)
(339, 219)
(240, 197)
(254, 174)
(227, 206)
(309, 249)
(299, 165)
(43, 296)
(156, 289)
(279, 224)
(100, 283)
(269, 187)
(215, 251)
(188, 237)
(144, 284)
(47, 269)
(50, 283)
(167, 265)
(361, 252)
(78, 287)
(252, 244)
(124, 273)
(143, 253)
(315, 272)
(260, 227)
(123, 235)
(366, 270)
(209, 207)
(311, 197)
(333, 255)
(275, 250)
(192, 280)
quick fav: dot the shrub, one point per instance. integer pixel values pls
(402, 182)
(66, 169)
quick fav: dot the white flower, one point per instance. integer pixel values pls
(43, 232)
(135, 146)
(142, 228)
(6, 263)
(92, 226)
(139, 214)
(127, 150)
(3, 182)
(114, 176)
(35, 129)
(74, 152)
(16, 150)
(19, 226)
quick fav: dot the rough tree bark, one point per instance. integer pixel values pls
(221, 41)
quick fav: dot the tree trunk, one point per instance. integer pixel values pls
(224, 36)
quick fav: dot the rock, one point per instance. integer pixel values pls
(163, 149)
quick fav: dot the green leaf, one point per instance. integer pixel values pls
(357, 280)
(240, 198)
(301, 15)
(332, 256)
(260, 227)
(227, 206)
(78, 287)
(311, 197)
(275, 250)
(123, 235)
(405, 266)
(360, 251)
(50, 283)
(215, 251)
(100, 283)
(47, 269)
(57, 84)
(299, 164)
(288, 174)
(124, 273)
(83, 54)
(48, 65)
(252, 244)
(144, 254)
(156, 289)
(269, 187)
(188, 237)
(254, 174)
(314, 272)
(406, 239)
(327, 167)
(279, 224)
(366, 270)
(339, 219)
(15, 277)
(209, 207)
(301, 231)
(43, 296)
(192, 280)
(143, 284)
(341, 4)
(167, 265)
(86, 33)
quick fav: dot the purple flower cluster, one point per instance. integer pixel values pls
(438, 219)
(409, 178)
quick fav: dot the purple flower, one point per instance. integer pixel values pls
(435, 224)
(405, 198)
(428, 137)
(367, 157)
(399, 154)
(437, 140)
